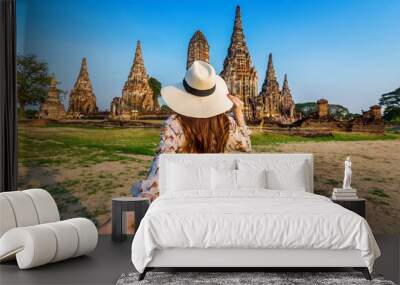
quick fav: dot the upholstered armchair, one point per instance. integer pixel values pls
(31, 231)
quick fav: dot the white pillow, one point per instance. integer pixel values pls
(290, 179)
(282, 174)
(188, 177)
(251, 178)
(223, 179)
(227, 179)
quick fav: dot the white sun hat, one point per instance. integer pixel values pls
(201, 94)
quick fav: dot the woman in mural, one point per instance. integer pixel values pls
(201, 124)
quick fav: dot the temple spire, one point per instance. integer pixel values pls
(237, 39)
(84, 64)
(84, 68)
(138, 53)
(53, 87)
(52, 93)
(287, 105)
(198, 49)
(83, 77)
(238, 27)
(270, 85)
(198, 35)
(270, 92)
(239, 72)
(137, 95)
(82, 99)
(270, 70)
(285, 87)
(52, 108)
(138, 62)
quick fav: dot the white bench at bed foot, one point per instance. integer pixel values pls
(31, 230)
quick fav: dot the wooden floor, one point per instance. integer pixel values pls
(110, 260)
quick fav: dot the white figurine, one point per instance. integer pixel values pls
(347, 174)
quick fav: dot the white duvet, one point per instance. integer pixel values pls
(250, 219)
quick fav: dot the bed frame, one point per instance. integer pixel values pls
(242, 259)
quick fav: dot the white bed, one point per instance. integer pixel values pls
(248, 227)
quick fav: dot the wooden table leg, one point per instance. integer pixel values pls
(116, 220)
(140, 211)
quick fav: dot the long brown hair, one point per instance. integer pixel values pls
(208, 135)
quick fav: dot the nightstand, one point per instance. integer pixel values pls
(358, 206)
(120, 205)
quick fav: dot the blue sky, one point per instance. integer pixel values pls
(347, 51)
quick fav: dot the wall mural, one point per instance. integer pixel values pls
(85, 144)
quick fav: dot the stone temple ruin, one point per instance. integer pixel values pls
(52, 108)
(198, 49)
(82, 101)
(287, 103)
(137, 96)
(323, 109)
(239, 72)
(370, 121)
(272, 103)
(272, 106)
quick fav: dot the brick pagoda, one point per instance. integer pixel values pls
(238, 70)
(198, 49)
(287, 105)
(278, 105)
(82, 100)
(137, 96)
(52, 108)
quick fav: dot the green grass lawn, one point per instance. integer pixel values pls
(54, 145)
(259, 138)
(83, 146)
(83, 167)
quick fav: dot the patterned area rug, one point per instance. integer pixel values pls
(233, 278)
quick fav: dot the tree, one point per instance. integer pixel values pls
(335, 110)
(33, 81)
(391, 102)
(306, 109)
(155, 85)
(338, 111)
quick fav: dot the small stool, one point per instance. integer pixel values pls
(120, 205)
